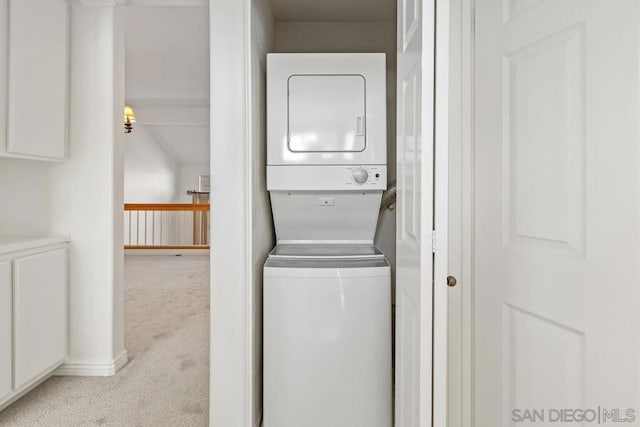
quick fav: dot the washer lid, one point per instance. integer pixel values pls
(325, 250)
(326, 267)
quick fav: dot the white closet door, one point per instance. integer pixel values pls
(415, 220)
(557, 210)
(37, 83)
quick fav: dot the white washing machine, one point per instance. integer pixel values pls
(327, 339)
(327, 288)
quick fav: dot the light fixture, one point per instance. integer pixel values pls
(129, 119)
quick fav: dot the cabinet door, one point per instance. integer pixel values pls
(5, 329)
(37, 104)
(40, 314)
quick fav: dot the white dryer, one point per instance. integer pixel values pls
(327, 288)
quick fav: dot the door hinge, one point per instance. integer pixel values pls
(434, 241)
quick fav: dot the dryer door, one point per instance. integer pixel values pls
(326, 109)
(326, 113)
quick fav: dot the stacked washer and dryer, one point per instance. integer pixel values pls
(327, 287)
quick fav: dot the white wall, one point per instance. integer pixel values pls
(188, 180)
(262, 41)
(151, 175)
(25, 208)
(354, 37)
(87, 190)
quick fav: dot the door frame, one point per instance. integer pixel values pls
(440, 170)
(461, 208)
(231, 373)
(231, 389)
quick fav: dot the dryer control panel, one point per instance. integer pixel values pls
(333, 177)
(366, 176)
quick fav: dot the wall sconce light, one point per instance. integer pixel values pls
(129, 119)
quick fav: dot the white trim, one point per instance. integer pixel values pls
(195, 165)
(248, 219)
(468, 201)
(191, 102)
(149, 3)
(107, 3)
(455, 370)
(174, 3)
(171, 123)
(425, 370)
(441, 213)
(231, 316)
(167, 252)
(461, 217)
(92, 369)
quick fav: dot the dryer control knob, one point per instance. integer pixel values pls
(360, 175)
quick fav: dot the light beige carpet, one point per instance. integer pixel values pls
(166, 382)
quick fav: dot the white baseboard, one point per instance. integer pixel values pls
(92, 369)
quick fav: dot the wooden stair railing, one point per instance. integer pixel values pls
(166, 226)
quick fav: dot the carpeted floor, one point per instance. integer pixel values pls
(166, 382)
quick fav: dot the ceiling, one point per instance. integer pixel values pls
(188, 145)
(167, 52)
(334, 10)
(167, 77)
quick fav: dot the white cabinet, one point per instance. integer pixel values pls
(33, 313)
(34, 40)
(39, 314)
(5, 329)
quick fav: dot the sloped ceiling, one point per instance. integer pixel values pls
(188, 145)
(334, 10)
(167, 77)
